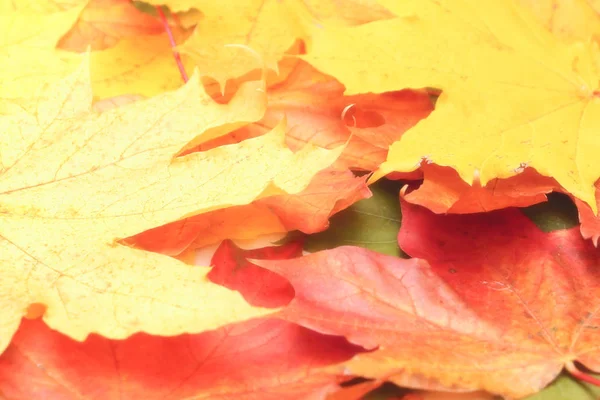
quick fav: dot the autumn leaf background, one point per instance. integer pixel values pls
(299, 199)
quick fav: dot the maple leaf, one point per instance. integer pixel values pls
(490, 303)
(239, 361)
(590, 222)
(30, 31)
(102, 23)
(114, 102)
(356, 392)
(260, 287)
(557, 213)
(140, 65)
(40, 6)
(317, 112)
(443, 191)
(513, 94)
(269, 27)
(371, 223)
(568, 19)
(309, 211)
(74, 182)
(565, 387)
(26, 37)
(431, 395)
(354, 12)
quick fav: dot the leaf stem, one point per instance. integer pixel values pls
(176, 54)
(580, 375)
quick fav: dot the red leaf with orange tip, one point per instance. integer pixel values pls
(493, 303)
(258, 359)
(259, 286)
(330, 191)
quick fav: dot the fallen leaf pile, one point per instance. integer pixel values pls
(299, 199)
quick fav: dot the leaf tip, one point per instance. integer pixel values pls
(35, 311)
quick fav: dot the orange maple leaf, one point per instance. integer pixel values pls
(317, 112)
(443, 191)
(309, 211)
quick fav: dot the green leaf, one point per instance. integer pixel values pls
(371, 223)
(559, 212)
(145, 7)
(566, 387)
(387, 391)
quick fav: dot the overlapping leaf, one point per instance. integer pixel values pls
(26, 37)
(590, 222)
(141, 65)
(31, 31)
(269, 27)
(565, 387)
(41, 6)
(89, 199)
(240, 361)
(260, 287)
(370, 223)
(309, 211)
(568, 19)
(319, 113)
(102, 23)
(74, 182)
(490, 303)
(513, 94)
(442, 191)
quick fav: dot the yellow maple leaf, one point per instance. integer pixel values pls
(513, 94)
(351, 12)
(569, 19)
(40, 6)
(102, 23)
(27, 54)
(269, 27)
(30, 31)
(74, 182)
(141, 65)
(144, 64)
